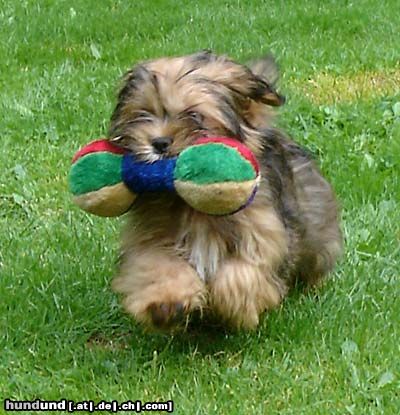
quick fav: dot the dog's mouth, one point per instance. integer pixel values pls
(162, 148)
(144, 152)
(148, 154)
(158, 148)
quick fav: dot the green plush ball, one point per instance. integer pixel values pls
(217, 176)
(95, 180)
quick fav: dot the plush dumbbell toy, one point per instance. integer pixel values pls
(215, 175)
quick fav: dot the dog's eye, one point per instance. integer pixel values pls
(195, 116)
(122, 141)
(142, 117)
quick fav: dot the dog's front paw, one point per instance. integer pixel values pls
(167, 307)
(167, 315)
(162, 301)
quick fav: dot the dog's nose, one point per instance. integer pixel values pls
(161, 144)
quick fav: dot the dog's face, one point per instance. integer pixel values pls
(164, 105)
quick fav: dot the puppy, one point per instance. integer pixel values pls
(176, 260)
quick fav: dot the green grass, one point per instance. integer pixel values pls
(63, 334)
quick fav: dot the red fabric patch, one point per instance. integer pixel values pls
(102, 145)
(231, 142)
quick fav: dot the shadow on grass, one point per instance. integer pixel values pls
(293, 323)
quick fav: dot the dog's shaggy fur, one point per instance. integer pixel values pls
(176, 260)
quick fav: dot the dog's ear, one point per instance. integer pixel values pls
(266, 93)
(130, 85)
(132, 79)
(266, 68)
(266, 73)
(256, 82)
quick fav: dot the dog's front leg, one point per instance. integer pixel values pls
(251, 280)
(160, 289)
(241, 291)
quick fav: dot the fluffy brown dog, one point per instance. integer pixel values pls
(176, 260)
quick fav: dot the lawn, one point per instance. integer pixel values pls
(63, 333)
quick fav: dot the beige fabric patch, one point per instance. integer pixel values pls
(216, 198)
(108, 201)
